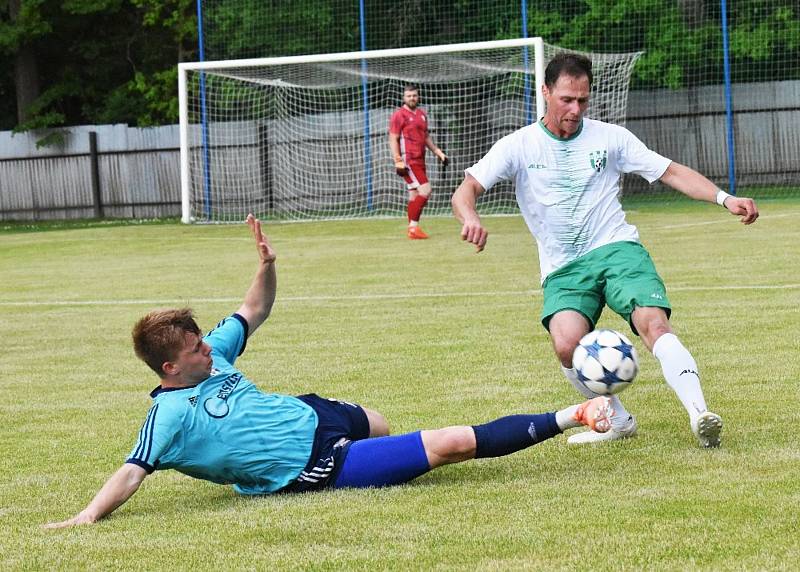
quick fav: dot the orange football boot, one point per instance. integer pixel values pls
(416, 233)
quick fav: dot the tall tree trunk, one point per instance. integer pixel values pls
(26, 78)
(26, 71)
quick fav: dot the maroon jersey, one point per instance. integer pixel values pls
(412, 126)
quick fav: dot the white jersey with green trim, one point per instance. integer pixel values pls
(567, 189)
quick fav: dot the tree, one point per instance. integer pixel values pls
(97, 61)
(20, 26)
(104, 61)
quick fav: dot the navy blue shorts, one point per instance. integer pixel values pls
(339, 424)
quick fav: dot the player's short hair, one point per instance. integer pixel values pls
(410, 87)
(159, 336)
(573, 65)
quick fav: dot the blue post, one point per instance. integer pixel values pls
(728, 100)
(527, 89)
(365, 93)
(204, 118)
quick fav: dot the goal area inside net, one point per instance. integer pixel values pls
(306, 137)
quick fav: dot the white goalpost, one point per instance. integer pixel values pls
(305, 137)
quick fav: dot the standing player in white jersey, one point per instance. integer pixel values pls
(566, 170)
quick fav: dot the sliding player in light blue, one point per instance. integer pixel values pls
(210, 422)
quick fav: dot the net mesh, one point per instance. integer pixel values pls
(310, 140)
(677, 100)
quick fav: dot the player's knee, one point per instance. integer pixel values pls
(651, 324)
(457, 442)
(564, 348)
(658, 329)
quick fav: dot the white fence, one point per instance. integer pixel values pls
(689, 126)
(135, 172)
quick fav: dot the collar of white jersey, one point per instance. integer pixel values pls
(553, 136)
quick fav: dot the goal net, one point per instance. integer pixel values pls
(306, 137)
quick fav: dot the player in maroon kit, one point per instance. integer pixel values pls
(408, 138)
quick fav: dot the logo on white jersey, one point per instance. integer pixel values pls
(598, 160)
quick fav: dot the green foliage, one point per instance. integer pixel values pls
(177, 16)
(767, 36)
(28, 25)
(119, 53)
(44, 111)
(87, 7)
(235, 30)
(146, 100)
(100, 61)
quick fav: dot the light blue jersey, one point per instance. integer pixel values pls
(224, 429)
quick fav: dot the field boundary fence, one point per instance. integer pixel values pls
(135, 172)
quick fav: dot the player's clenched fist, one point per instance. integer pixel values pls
(474, 233)
(744, 207)
(400, 166)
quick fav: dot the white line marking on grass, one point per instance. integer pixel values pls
(169, 302)
(282, 240)
(725, 221)
(366, 297)
(755, 287)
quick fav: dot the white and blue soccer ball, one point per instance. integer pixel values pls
(605, 361)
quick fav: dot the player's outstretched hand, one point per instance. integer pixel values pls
(442, 157)
(263, 246)
(473, 232)
(744, 207)
(400, 167)
(74, 521)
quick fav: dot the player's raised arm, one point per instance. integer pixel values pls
(694, 185)
(463, 202)
(118, 489)
(260, 296)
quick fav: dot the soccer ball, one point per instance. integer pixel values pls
(605, 361)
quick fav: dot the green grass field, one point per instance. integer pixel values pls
(430, 334)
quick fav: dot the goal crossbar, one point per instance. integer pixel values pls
(366, 55)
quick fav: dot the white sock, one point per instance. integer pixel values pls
(413, 223)
(621, 415)
(680, 371)
(565, 418)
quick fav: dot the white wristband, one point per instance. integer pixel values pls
(721, 196)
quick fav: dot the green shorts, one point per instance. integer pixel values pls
(620, 275)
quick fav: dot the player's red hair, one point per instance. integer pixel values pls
(159, 336)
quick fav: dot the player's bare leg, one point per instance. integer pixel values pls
(398, 459)
(513, 433)
(566, 329)
(378, 426)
